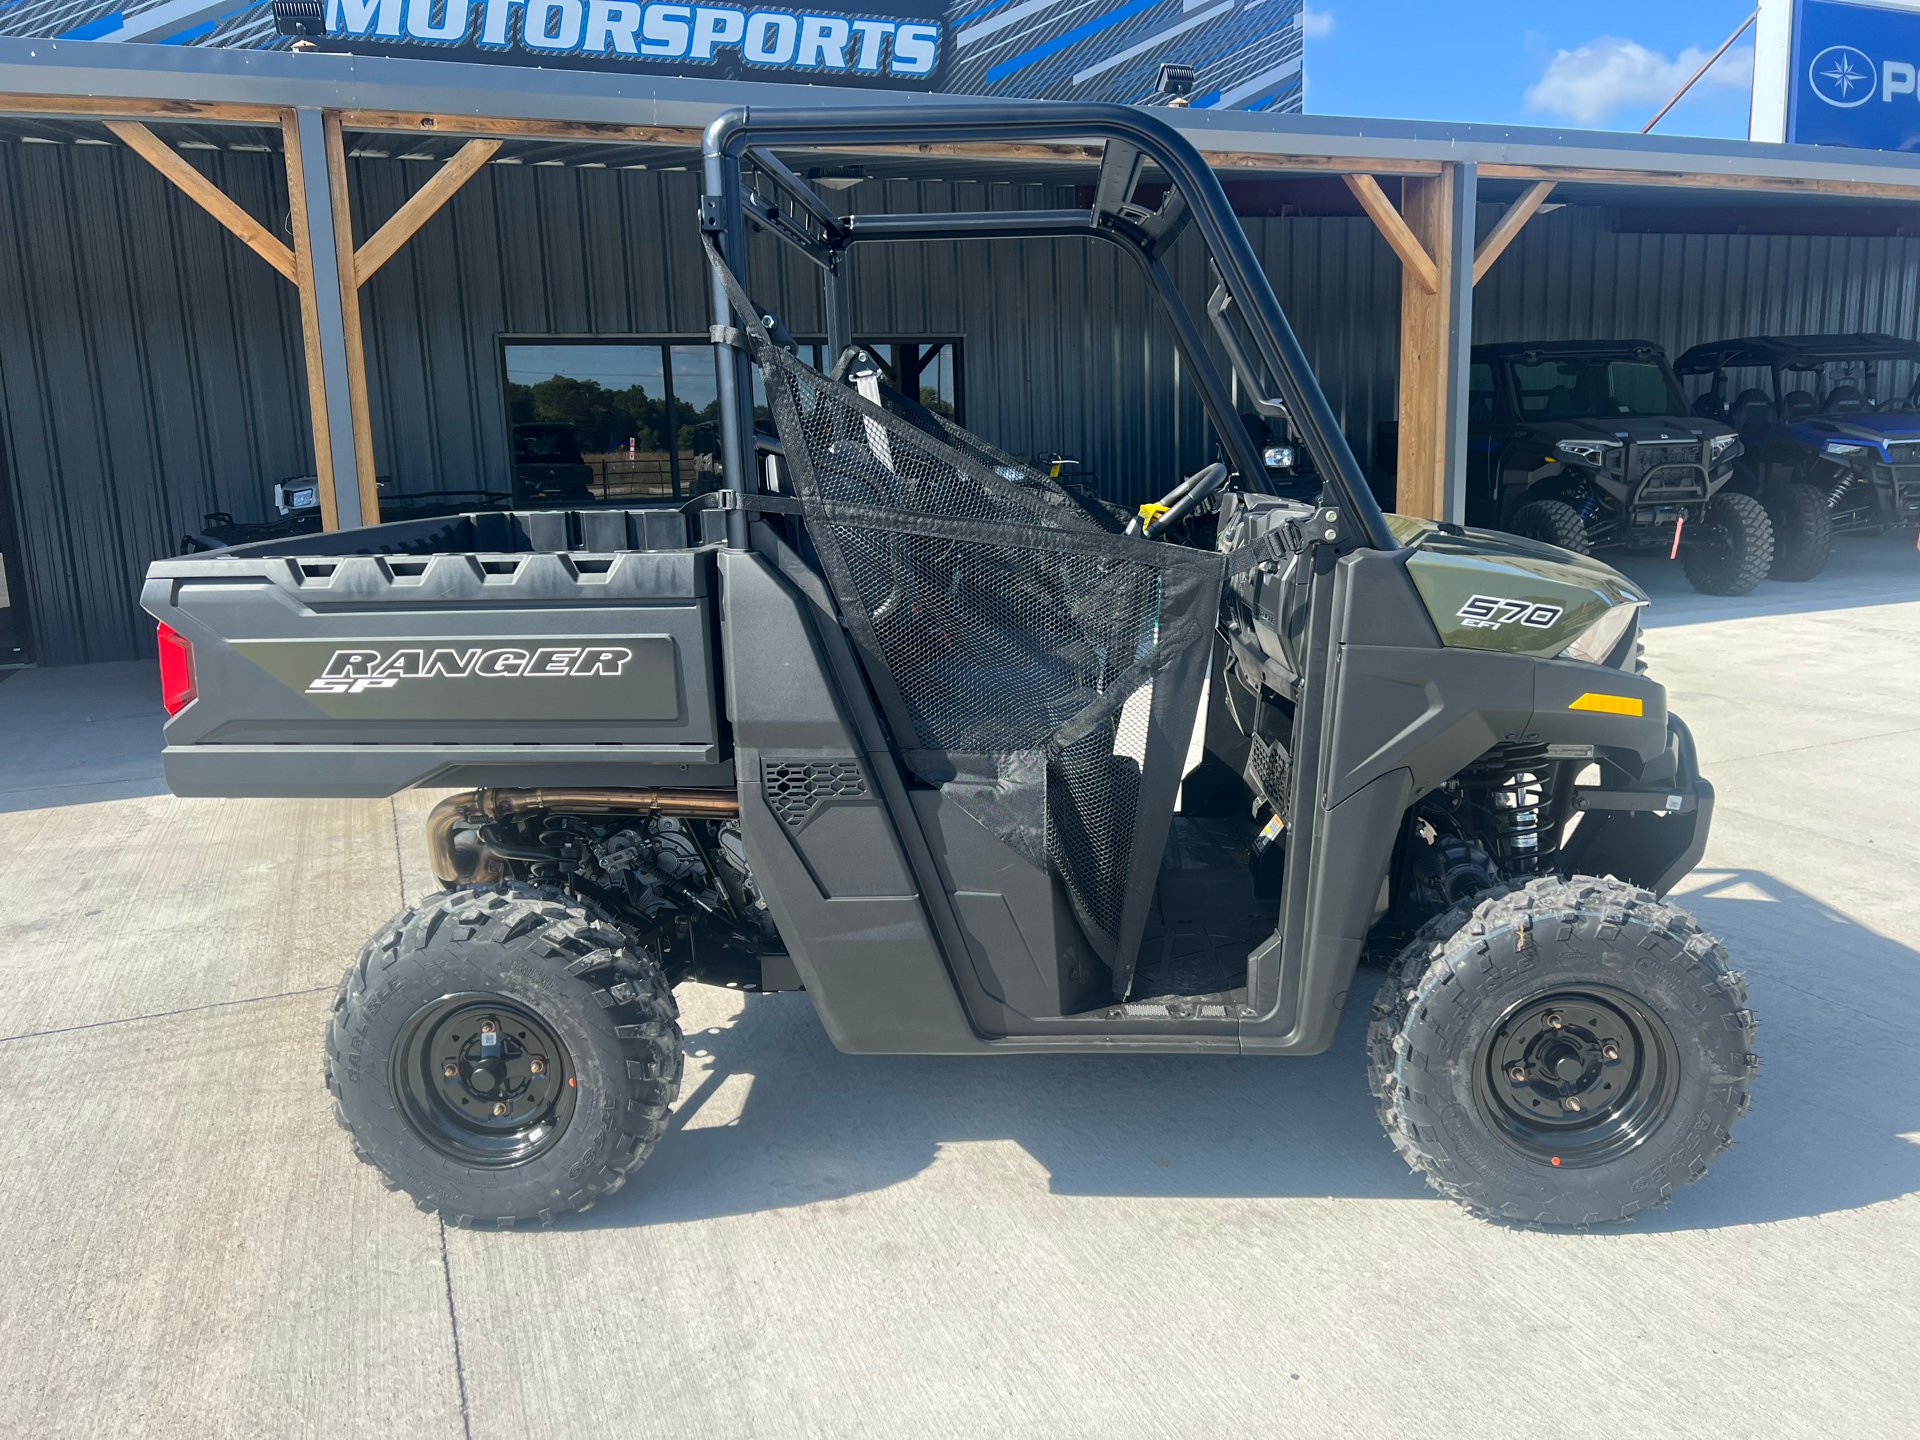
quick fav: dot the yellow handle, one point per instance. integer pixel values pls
(1150, 513)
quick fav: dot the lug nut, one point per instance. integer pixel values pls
(450, 1070)
(1517, 1073)
(1610, 1051)
(1567, 1104)
(1554, 1022)
(538, 1067)
(500, 1107)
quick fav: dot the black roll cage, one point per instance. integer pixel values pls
(1130, 139)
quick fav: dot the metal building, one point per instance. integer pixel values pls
(180, 226)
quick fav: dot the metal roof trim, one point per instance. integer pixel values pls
(361, 82)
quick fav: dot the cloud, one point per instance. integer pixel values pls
(1588, 84)
(1315, 23)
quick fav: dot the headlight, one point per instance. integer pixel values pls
(1277, 457)
(1600, 639)
(1842, 451)
(1721, 444)
(1593, 452)
(291, 495)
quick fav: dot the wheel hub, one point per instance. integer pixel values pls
(1577, 1077)
(483, 1079)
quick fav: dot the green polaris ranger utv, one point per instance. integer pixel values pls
(899, 720)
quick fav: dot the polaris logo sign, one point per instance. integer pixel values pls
(1854, 76)
(805, 45)
(354, 672)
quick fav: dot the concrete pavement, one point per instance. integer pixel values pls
(827, 1244)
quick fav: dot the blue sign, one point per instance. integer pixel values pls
(1851, 81)
(1247, 54)
(719, 40)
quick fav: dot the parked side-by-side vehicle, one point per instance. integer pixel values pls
(1830, 443)
(1590, 445)
(898, 719)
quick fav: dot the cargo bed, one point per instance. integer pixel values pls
(506, 648)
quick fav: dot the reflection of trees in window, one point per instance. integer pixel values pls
(602, 419)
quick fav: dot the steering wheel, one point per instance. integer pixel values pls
(1171, 508)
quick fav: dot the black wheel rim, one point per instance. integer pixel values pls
(1577, 1077)
(483, 1080)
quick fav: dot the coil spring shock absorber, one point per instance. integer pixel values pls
(1521, 797)
(1589, 501)
(1838, 492)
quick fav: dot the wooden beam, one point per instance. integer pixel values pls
(92, 106)
(350, 318)
(1318, 164)
(442, 123)
(204, 193)
(1418, 263)
(1421, 466)
(435, 123)
(420, 208)
(1698, 180)
(309, 320)
(1507, 226)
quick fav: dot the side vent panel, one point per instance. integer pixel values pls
(796, 788)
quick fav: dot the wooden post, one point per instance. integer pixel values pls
(350, 319)
(309, 319)
(1427, 207)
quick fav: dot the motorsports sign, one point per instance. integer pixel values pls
(1246, 53)
(814, 46)
(1854, 75)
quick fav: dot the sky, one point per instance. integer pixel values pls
(1599, 67)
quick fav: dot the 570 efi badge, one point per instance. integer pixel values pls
(1490, 612)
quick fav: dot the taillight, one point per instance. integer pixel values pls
(177, 689)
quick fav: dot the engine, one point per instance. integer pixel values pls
(678, 882)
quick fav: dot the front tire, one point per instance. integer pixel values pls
(1587, 991)
(1802, 532)
(503, 1056)
(1732, 550)
(1555, 522)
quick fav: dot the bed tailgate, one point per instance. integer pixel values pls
(362, 675)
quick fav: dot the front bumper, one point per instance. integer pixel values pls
(1653, 834)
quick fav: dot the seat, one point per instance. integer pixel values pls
(1845, 400)
(1797, 405)
(1750, 410)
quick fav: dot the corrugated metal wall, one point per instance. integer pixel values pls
(150, 366)
(150, 371)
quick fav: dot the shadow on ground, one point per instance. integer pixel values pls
(1824, 1133)
(80, 733)
(1864, 570)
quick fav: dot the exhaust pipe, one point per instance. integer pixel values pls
(460, 857)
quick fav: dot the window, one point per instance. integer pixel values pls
(1480, 397)
(1586, 386)
(611, 420)
(635, 420)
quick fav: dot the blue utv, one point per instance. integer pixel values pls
(1831, 442)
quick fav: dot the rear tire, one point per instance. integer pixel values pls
(503, 1056)
(1555, 522)
(1732, 549)
(1547, 978)
(1802, 532)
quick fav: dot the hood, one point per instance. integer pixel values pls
(1490, 591)
(1637, 428)
(1870, 429)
